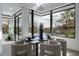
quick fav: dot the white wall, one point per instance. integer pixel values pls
(0, 20)
(25, 23)
(0, 32)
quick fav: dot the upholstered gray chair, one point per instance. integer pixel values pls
(50, 49)
(63, 46)
(21, 49)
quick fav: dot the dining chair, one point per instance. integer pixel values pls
(21, 49)
(63, 46)
(50, 49)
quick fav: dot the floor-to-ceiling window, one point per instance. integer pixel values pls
(64, 23)
(18, 27)
(8, 28)
(45, 20)
(36, 24)
(46, 23)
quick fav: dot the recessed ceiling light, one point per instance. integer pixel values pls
(11, 8)
(38, 4)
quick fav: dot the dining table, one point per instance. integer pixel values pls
(37, 41)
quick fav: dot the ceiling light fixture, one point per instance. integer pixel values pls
(38, 4)
(11, 8)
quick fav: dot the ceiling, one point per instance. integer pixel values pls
(11, 8)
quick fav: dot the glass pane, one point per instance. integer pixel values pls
(18, 27)
(45, 20)
(37, 21)
(8, 28)
(63, 23)
(30, 27)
